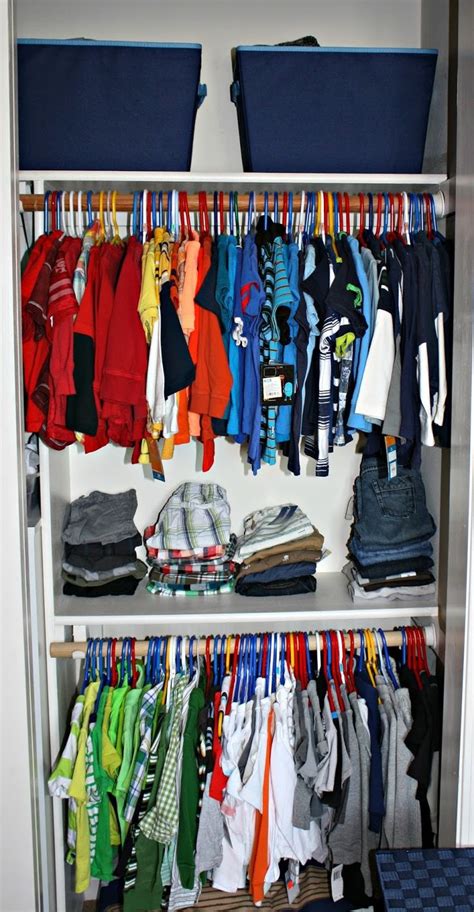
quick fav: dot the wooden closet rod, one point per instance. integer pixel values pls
(77, 650)
(34, 202)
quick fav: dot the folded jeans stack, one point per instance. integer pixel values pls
(190, 549)
(278, 553)
(391, 555)
(100, 540)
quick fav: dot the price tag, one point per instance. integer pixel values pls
(272, 388)
(391, 452)
(277, 383)
(337, 883)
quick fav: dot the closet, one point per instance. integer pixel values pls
(66, 475)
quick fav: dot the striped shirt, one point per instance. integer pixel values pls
(272, 526)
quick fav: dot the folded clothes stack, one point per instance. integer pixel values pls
(391, 555)
(191, 549)
(100, 538)
(278, 553)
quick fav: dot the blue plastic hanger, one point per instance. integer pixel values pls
(265, 210)
(404, 646)
(290, 215)
(250, 210)
(386, 205)
(155, 660)
(386, 655)
(90, 215)
(434, 217)
(109, 662)
(154, 222)
(59, 214)
(371, 211)
(308, 657)
(149, 660)
(275, 207)
(178, 663)
(240, 667)
(46, 212)
(222, 661)
(135, 213)
(275, 662)
(260, 655)
(87, 664)
(190, 656)
(215, 656)
(282, 658)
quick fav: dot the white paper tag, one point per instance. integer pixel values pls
(272, 388)
(337, 883)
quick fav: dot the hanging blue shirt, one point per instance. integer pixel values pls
(235, 351)
(362, 345)
(253, 297)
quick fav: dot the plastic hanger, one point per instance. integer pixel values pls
(87, 665)
(378, 223)
(327, 669)
(350, 664)
(336, 674)
(385, 219)
(388, 664)
(360, 236)
(228, 647)
(347, 207)
(237, 218)
(59, 221)
(284, 217)
(299, 232)
(64, 220)
(250, 211)
(265, 210)
(275, 207)
(222, 661)
(177, 654)
(46, 212)
(190, 656)
(378, 645)
(215, 656)
(318, 653)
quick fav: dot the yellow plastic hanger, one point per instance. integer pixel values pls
(101, 218)
(227, 655)
(370, 652)
(116, 239)
(317, 227)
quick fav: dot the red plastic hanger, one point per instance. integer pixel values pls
(360, 236)
(378, 224)
(347, 206)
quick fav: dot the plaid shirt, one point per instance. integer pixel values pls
(195, 516)
(190, 580)
(147, 713)
(161, 822)
(161, 589)
(182, 561)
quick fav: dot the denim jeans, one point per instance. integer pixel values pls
(382, 555)
(390, 512)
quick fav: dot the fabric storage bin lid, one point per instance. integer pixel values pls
(334, 109)
(107, 105)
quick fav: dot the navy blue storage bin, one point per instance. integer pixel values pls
(323, 109)
(107, 105)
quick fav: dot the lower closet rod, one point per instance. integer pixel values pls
(77, 650)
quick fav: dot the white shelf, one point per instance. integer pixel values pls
(245, 180)
(331, 605)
